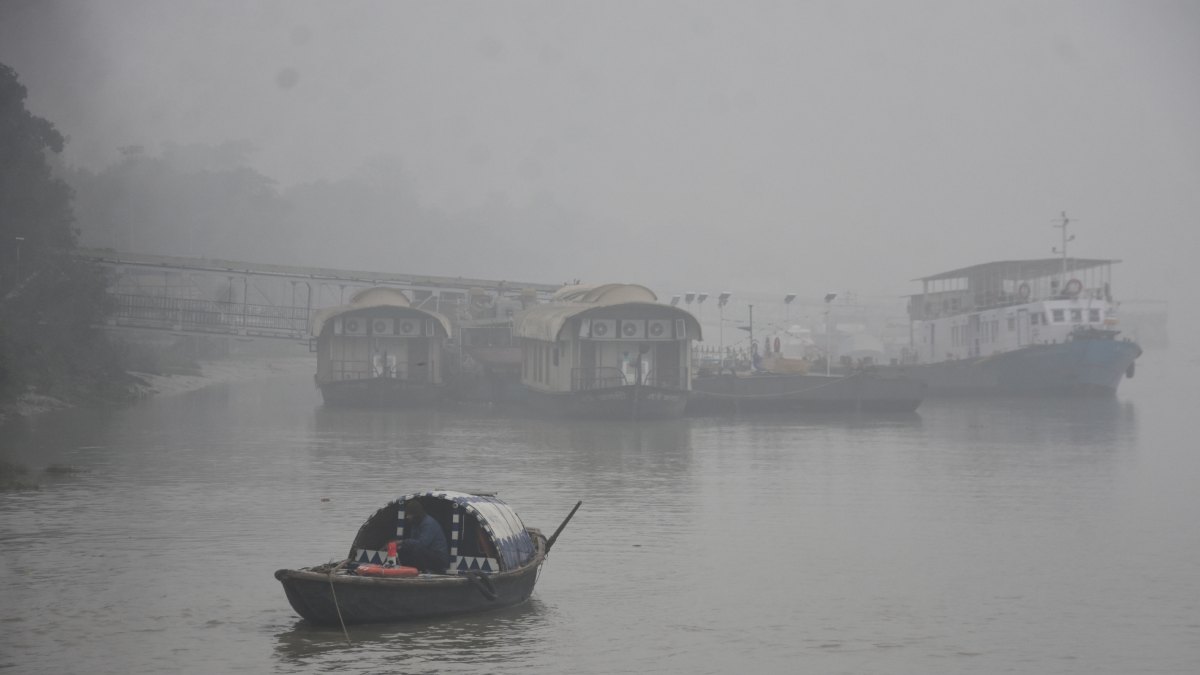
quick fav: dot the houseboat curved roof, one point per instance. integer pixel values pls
(370, 298)
(545, 322)
(605, 293)
(503, 527)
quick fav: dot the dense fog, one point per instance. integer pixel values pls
(755, 146)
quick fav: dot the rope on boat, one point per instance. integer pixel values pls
(335, 602)
(484, 584)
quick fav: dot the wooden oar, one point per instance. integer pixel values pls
(550, 541)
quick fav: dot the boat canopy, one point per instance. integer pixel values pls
(483, 532)
(1020, 270)
(545, 322)
(374, 298)
(605, 293)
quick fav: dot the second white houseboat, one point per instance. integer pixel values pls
(609, 350)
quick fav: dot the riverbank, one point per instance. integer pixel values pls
(145, 385)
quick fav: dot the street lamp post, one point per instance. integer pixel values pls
(17, 264)
(722, 300)
(828, 332)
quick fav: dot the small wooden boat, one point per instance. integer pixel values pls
(494, 562)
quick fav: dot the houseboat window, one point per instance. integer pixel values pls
(995, 329)
(1058, 315)
(1094, 315)
(1033, 318)
(1012, 324)
(1076, 316)
(556, 357)
(547, 368)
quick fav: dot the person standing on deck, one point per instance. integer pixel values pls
(425, 546)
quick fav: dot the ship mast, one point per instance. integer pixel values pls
(1062, 225)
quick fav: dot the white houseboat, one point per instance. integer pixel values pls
(378, 350)
(609, 350)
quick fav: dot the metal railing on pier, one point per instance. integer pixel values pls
(209, 316)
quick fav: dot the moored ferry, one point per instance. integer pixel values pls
(1019, 326)
(606, 351)
(379, 350)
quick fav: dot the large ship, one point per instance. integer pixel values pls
(1019, 326)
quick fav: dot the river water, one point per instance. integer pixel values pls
(1020, 536)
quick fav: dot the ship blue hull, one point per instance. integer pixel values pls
(1078, 367)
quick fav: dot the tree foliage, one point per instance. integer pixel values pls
(191, 200)
(49, 300)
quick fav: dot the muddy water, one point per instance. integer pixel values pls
(973, 537)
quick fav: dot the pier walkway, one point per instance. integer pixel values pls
(225, 297)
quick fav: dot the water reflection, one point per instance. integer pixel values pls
(840, 420)
(469, 643)
(1045, 421)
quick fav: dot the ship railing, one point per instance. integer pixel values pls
(664, 378)
(357, 370)
(587, 379)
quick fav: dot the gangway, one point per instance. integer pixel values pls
(225, 297)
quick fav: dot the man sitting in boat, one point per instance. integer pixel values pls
(425, 546)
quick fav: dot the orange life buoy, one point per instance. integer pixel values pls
(373, 570)
(1023, 291)
(1073, 287)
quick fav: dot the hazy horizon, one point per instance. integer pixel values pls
(773, 146)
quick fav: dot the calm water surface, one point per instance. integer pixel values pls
(1024, 536)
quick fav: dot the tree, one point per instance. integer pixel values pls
(191, 200)
(50, 301)
(34, 205)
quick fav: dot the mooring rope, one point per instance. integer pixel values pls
(335, 602)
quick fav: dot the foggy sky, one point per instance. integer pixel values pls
(776, 146)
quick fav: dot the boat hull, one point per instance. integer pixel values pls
(860, 392)
(326, 599)
(380, 392)
(621, 403)
(1081, 367)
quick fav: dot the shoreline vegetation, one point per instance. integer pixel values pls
(140, 386)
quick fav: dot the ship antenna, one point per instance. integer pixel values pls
(1062, 225)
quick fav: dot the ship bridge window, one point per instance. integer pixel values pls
(1058, 315)
(1094, 315)
(1077, 316)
